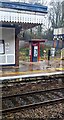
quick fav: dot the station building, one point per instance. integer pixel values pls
(58, 38)
(14, 17)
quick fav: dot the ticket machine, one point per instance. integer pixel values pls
(34, 51)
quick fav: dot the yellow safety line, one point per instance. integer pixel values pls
(27, 72)
(60, 69)
(20, 73)
(30, 72)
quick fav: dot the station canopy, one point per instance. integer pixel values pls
(20, 14)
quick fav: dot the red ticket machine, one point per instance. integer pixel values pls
(34, 51)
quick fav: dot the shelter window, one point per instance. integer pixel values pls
(2, 47)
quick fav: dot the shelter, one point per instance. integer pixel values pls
(15, 16)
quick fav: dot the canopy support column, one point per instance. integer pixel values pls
(16, 51)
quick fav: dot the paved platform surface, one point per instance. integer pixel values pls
(26, 68)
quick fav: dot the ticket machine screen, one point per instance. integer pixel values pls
(35, 51)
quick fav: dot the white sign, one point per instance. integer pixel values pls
(1, 47)
(52, 52)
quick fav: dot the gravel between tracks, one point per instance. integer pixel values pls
(44, 112)
(30, 87)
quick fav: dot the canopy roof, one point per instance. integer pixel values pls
(21, 15)
(22, 12)
(38, 40)
(24, 6)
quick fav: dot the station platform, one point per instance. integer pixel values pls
(30, 68)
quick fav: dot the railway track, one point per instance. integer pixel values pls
(32, 84)
(22, 88)
(33, 92)
(26, 80)
(29, 79)
(13, 103)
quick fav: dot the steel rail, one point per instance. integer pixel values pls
(50, 101)
(33, 92)
(30, 80)
(32, 105)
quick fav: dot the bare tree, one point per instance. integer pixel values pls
(55, 13)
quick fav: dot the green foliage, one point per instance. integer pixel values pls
(25, 51)
(45, 48)
(24, 54)
(48, 35)
(41, 51)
